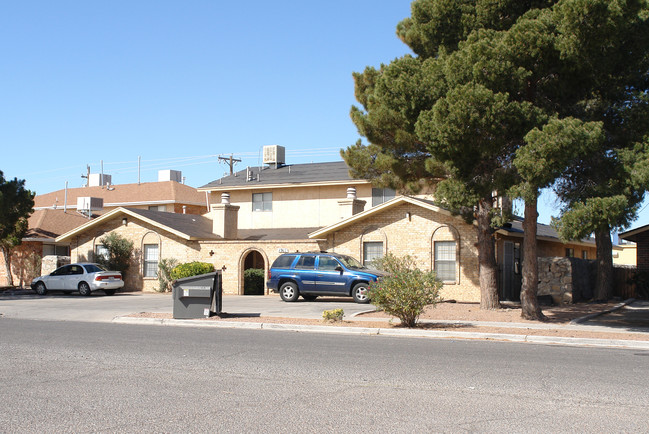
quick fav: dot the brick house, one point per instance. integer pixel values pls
(257, 214)
(58, 212)
(640, 236)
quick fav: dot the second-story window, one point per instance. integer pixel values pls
(380, 195)
(262, 201)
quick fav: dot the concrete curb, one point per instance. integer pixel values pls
(413, 333)
(583, 319)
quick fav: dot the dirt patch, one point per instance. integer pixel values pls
(508, 313)
(559, 315)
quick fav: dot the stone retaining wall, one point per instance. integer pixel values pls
(566, 280)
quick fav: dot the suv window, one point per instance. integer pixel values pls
(306, 262)
(284, 261)
(327, 264)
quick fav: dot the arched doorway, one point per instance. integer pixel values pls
(253, 273)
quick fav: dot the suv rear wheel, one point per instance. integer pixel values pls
(288, 291)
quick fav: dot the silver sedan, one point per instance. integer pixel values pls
(82, 277)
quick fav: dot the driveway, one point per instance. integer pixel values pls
(101, 308)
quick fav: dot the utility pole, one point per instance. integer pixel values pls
(230, 161)
(87, 176)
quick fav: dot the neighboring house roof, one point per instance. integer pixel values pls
(47, 224)
(543, 232)
(289, 175)
(632, 235)
(146, 193)
(187, 226)
(424, 203)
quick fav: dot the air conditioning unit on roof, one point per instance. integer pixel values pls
(86, 204)
(274, 154)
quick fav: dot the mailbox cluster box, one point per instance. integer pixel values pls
(197, 296)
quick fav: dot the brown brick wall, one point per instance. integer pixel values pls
(25, 264)
(415, 236)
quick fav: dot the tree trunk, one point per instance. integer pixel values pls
(487, 258)
(604, 281)
(529, 303)
(7, 257)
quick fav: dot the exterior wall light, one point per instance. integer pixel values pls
(124, 221)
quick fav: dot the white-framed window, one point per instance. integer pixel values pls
(372, 250)
(161, 208)
(584, 254)
(570, 252)
(151, 258)
(445, 260)
(101, 252)
(262, 201)
(380, 195)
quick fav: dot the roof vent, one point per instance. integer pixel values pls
(274, 154)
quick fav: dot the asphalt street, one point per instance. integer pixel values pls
(98, 377)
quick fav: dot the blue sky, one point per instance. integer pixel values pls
(180, 83)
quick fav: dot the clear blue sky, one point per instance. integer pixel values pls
(179, 83)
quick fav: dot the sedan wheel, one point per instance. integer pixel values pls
(84, 289)
(359, 293)
(40, 288)
(289, 291)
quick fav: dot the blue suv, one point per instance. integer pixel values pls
(312, 274)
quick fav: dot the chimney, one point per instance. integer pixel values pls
(225, 218)
(351, 205)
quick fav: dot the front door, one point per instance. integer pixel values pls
(510, 283)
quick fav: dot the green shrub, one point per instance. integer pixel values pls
(253, 281)
(191, 269)
(334, 315)
(164, 274)
(120, 251)
(406, 291)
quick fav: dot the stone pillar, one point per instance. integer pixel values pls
(642, 252)
(225, 218)
(351, 205)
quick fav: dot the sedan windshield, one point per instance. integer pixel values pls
(93, 268)
(351, 263)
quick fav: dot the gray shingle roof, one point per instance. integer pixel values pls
(290, 174)
(200, 227)
(195, 226)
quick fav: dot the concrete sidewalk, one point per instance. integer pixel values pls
(588, 324)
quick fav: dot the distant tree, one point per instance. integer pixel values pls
(119, 253)
(16, 204)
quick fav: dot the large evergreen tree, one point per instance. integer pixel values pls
(16, 204)
(485, 76)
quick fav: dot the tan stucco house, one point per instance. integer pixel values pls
(257, 214)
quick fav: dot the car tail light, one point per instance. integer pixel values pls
(269, 274)
(107, 277)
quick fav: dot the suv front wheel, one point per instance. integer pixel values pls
(359, 293)
(288, 291)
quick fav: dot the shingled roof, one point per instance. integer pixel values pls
(47, 224)
(189, 226)
(294, 174)
(150, 193)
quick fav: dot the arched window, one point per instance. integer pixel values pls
(446, 254)
(150, 254)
